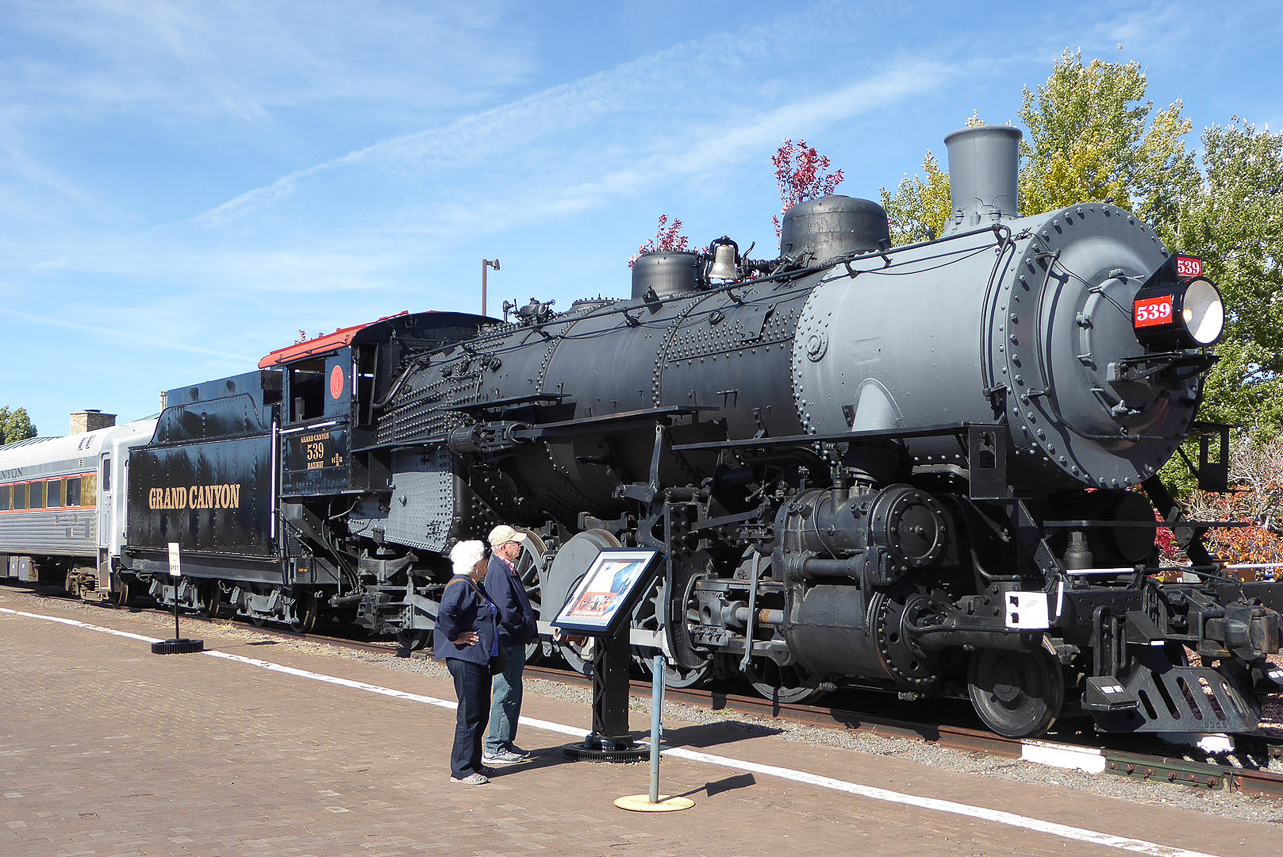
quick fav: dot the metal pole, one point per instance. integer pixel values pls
(486, 263)
(177, 636)
(656, 705)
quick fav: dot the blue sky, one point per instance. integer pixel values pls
(186, 185)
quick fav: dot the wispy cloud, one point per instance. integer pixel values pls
(671, 87)
(244, 59)
(119, 335)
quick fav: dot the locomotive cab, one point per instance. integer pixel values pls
(332, 383)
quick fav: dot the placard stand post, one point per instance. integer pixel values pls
(178, 645)
(655, 802)
(609, 740)
(599, 605)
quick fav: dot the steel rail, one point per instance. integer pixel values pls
(1205, 775)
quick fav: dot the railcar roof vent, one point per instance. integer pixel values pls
(667, 273)
(984, 163)
(818, 230)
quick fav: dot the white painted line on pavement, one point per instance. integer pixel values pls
(76, 624)
(1064, 831)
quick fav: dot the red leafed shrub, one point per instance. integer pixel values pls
(802, 173)
(668, 239)
(1256, 472)
(1250, 544)
(1168, 552)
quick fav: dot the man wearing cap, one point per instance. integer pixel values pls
(516, 628)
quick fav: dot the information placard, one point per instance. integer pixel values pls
(600, 603)
(175, 564)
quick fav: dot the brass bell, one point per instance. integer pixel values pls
(725, 260)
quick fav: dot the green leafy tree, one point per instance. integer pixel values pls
(1090, 137)
(920, 207)
(15, 425)
(1235, 223)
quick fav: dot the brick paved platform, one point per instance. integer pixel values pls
(106, 749)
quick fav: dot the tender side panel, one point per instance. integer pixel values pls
(213, 497)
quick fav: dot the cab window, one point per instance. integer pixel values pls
(307, 390)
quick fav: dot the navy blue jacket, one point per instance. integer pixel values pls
(464, 609)
(516, 617)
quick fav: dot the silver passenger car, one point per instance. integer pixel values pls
(62, 506)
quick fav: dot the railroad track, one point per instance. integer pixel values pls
(1155, 768)
(1142, 765)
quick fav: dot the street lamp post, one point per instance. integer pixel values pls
(486, 263)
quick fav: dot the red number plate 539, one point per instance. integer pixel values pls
(1153, 311)
(1189, 266)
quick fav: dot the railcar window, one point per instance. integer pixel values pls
(53, 493)
(73, 491)
(89, 490)
(20, 496)
(4, 498)
(106, 473)
(36, 497)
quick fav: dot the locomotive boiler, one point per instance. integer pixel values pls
(929, 469)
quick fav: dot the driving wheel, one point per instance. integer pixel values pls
(1016, 694)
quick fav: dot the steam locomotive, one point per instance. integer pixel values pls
(929, 469)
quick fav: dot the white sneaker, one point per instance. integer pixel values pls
(503, 757)
(471, 780)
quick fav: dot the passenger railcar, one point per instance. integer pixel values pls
(62, 507)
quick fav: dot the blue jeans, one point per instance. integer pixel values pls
(472, 687)
(506, 709)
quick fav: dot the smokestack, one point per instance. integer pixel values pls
(91, 419)
(984, 163)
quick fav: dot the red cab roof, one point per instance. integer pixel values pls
(326, 344)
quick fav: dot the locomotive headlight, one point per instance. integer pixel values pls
(1203, 312)
(1177, 308)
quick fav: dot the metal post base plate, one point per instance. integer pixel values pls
(641, 803)
(179, 646)
(597, 748)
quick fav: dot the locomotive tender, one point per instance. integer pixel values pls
(930, 469)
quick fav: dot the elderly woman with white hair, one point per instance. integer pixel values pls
(466, 638)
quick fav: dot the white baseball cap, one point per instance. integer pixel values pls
(503, 534)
